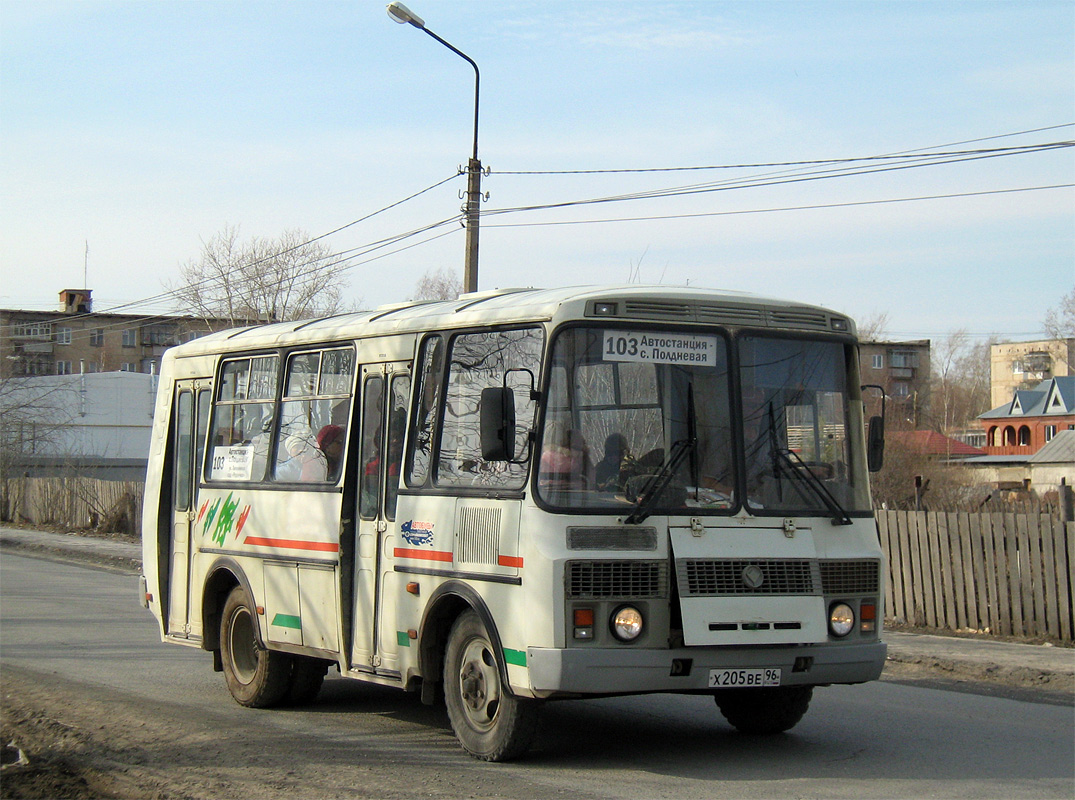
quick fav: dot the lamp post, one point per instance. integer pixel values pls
(401, 14)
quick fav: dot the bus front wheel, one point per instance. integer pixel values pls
(764, 710)
(256, 677)
(490, 723)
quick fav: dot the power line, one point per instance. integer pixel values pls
(756, 181)
(777, 209)
(759, 165)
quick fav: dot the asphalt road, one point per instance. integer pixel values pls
(77, 650)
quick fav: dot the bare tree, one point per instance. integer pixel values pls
(960, 381)
(873, 328)
(34, 413)
(940, 485)
(263, 280)
(439, 284)
(1060, 321)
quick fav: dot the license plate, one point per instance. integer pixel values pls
(743, 678)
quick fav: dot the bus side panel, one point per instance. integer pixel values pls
(157, 514)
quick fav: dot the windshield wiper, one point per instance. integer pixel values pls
(801, 470)
(657, 483)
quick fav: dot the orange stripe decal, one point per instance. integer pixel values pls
(422, 555)
(510, 561)
(292, 544)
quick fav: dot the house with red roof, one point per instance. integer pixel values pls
(1031, 419)
(934, 445)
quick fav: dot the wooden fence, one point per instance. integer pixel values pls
(1009, 574)
(74, 502)
(1006, 573)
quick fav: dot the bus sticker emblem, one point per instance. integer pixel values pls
(417, 533)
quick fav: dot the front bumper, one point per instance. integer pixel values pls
(624, 670)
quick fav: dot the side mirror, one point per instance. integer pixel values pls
(875, 433)
(498, 424)
(875, 444)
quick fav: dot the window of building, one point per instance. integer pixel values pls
(97, 337)
(130, 337)
(128, 366)
(1050, 432)
(903, 359)
(63, 367)
(32, 330)
(878, 361)
(158, 337)
(63, 336)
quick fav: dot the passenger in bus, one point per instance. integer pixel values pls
(304, 461)
(330, 442)
(564, 460)
(607, 471)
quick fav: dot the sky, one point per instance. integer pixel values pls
(133, 132)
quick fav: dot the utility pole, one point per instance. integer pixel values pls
(403, 15)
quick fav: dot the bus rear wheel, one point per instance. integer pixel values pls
(764, 710)
(490, 723)
(304, 684)
(256, 677)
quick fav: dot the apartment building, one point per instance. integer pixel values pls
(75, 339)
(1016, 366)
(902, 369)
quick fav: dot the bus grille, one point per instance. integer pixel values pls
(634, 538)
(850, 577)
(608, 579)
(730, 577)
(722, 577)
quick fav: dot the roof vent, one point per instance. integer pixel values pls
(76, 301)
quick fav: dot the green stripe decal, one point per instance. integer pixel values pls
(287, 621)
(516, 657)
(402, 639)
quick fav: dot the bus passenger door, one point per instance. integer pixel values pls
(190, 416)
(384, 395)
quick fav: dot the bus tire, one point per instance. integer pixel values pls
(307, 675)
(490, 723)
(764, 710)
(256, 677)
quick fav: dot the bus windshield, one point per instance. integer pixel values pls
(642, 421)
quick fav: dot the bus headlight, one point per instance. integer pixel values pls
(626, 623)
(841, 619)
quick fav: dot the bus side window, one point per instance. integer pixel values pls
(427, 402)
(370, 455)
(313, 416)
(242, 419)
(397, 424)
(183, 450)
(478, 361)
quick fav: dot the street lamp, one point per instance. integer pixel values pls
(403, 15)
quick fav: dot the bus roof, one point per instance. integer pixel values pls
(632, 302)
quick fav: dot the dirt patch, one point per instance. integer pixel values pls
(981, 635)
(41, 758)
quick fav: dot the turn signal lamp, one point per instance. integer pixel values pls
(583, 619)
(867, 616)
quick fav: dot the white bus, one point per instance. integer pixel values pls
(520, 496)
